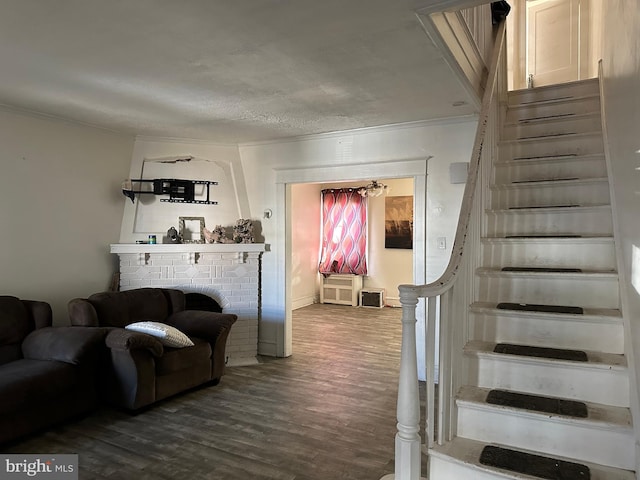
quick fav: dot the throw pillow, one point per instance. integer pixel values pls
(168, 335)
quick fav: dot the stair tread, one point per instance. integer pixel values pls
(558, 118)
(488, 271)
(560, 99)
(597, 414)
(595, 359)
(589, 239)
(563, 182)
(467, 452)
(516, 141)
(556, 158)
(608, 315)
(551, 209)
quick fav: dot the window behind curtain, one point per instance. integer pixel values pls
(344, 232)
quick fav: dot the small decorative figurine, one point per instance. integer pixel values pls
(218, 235)
(243, 231)
(172, 236)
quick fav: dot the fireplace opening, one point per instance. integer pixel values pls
(200, 301)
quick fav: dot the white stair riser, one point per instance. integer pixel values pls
(574, 89)
(585, 292)
(554, 331)
(441, 469)
(579, 124)
(554, 146)
(580, 167)
(571, 380)
(590, 193)
(551, 110)
(573, 253)
(536, 222)
(611, 447)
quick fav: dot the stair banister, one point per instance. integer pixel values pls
(408, 448)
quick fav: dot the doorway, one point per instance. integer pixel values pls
(285, 179)
(387, 267)
(552, 41)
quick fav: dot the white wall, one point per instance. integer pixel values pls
(60, 208)
(621, 72)
(361, 151)
(305, 237)
(221, 163)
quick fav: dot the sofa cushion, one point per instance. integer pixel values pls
(26, 382)
(176, 359)
(119, 309)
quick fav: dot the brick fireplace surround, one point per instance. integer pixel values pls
(229, 273)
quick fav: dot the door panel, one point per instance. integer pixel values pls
(553, 38)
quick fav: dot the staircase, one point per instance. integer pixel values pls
(547, 393)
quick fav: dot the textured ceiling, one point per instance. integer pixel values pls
(228, 71)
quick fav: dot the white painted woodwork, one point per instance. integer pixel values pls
(342, 289)
(563, 125)
(549, 109)
(458, 460)
(593, 191)
(571, 144)
(555, 52)
(605, 437)
(593, 220)
(599, 330)
(592, 253)
(577, 89)
(603, 379)
(591, 289)
(581, 166)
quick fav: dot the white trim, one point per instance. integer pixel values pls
(634, 400)
(364, 130)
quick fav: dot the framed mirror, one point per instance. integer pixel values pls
(191, 229)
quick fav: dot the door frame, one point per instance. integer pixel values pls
(407, 168)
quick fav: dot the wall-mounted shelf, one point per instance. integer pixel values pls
(342, 289)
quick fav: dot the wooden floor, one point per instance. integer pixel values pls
(327, 412)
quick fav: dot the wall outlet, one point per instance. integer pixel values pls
(442, 243)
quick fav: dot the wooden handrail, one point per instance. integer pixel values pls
(446, 280)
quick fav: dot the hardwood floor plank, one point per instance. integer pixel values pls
(327, 412)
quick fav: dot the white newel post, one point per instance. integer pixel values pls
(408, 448)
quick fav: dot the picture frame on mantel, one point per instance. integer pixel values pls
(191, 229)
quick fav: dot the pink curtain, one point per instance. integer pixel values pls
(344, 232)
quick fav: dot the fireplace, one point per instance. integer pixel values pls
(227, 273)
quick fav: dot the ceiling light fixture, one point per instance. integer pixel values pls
(373, 189)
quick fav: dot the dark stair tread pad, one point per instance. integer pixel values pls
(543, 236)
(532, 307)
(539, 207)
(534, 465)
(537, 403)
(547, 180)
(542, 269)
(541, 352)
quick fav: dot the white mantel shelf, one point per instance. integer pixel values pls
(129, 248)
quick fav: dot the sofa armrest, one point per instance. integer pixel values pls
(121, 339)
(82, 313)
(205, 325)
(64, 344)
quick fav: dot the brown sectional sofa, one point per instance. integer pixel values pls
(47, 374)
